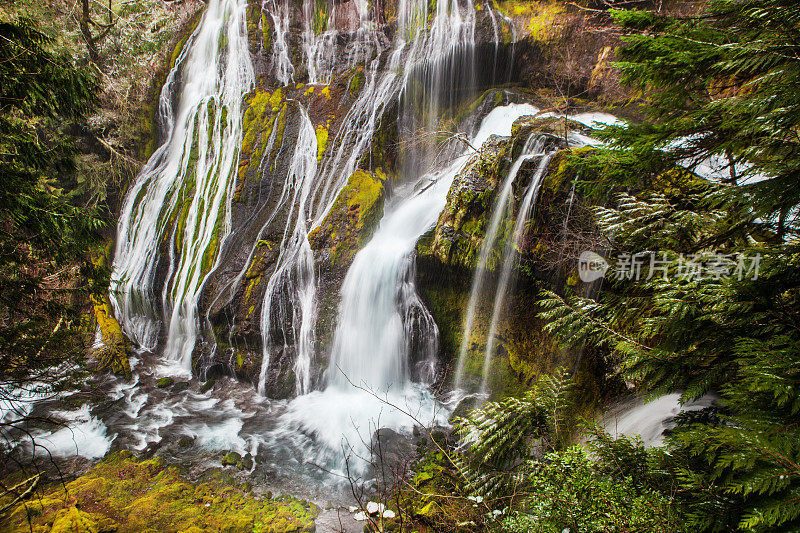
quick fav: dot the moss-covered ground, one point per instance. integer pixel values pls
(124, 495)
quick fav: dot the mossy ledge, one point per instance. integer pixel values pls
(354, 215)
(124, 495)
(113, 355)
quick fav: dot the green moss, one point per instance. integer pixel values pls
(539, 20)
(163, 383)
(210, 255)
(321, 15)
(254, 17)
(355, 213)
(184, 213)
(254, 274)
(266, 32)
(113, 356)
(322, 140)
(231, 459)
(73, 520)
(356, 81)
(265, 111)
(128, 496)
(208, 385)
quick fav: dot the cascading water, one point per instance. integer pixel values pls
(369, 381)
(507, 260)
(650, 420)
(290, 299)
(533, 145)
(384, 342)
(296, 261)
(190, 178)
(284, 70)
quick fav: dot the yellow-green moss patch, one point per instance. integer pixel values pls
(352, 218)
(129, 496)
(322, 140)
(113, 355)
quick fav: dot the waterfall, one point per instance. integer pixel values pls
(290, 301)
(319, 50)
(533, 145)
(284, 71)
(180, 200)
(378, 312)
(507, 260)
(650, 420)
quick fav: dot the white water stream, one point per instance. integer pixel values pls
(291, 297)
(190, 178)
(499, 211)
(368, 379)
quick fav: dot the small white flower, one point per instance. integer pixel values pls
(360, 517)
(352, 508)
(373, 507)
(388, 513)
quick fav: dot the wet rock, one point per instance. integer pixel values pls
(180, 386)
(392, 448)
(352, 219)
(163, 383)
(112, 354)
(231, 459)
(465, 406)
(461, 226)
(555, 126)
(280, 382)
(185, 442)
(207, 386)
(247, 462)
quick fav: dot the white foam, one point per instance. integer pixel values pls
(337, 420)
(595, 119)
(84, 435)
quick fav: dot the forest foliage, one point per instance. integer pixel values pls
(46, 227)
(722, 85)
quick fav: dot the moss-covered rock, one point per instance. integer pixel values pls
(163, 383)
(555, 126)
(462, 225)
(231, 459)
(73, 520)
(129, 496)
(352, 219)
(113, 354)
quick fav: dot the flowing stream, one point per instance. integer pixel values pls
(190, 178)
(369, 380)
(499, 212)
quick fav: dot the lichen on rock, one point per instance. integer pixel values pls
(462, 224)
(354, 215)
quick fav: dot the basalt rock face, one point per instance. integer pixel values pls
(511, 43)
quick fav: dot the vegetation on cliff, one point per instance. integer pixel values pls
(709, 306)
